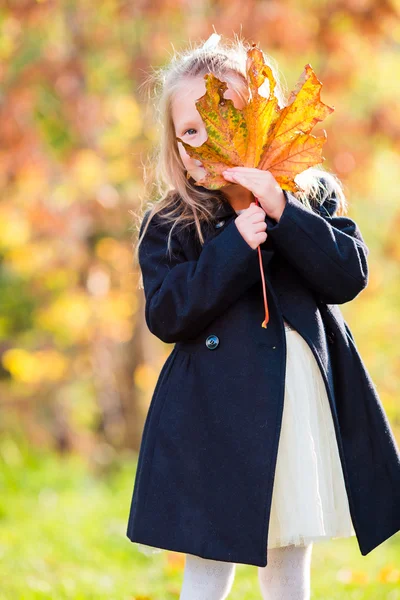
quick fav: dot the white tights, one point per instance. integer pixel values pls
(286, 576)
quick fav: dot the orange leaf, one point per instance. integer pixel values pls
(261, 134)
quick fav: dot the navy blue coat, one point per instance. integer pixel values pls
(208, 453)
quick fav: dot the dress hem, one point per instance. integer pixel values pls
(299, 541)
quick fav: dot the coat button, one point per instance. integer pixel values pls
(212, 342)
(331, 337)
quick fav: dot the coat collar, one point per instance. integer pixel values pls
(224, 210)
(223, 214)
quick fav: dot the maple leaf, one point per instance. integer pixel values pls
(261, 134)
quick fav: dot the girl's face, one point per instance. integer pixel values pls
(188, 124)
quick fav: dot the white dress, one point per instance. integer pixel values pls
(309, 499)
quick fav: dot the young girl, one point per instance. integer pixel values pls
(256, 439)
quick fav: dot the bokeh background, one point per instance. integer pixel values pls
(78, 365)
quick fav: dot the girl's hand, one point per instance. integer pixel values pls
(251, 224)
(263, 185)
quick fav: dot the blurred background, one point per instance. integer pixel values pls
(78, 365)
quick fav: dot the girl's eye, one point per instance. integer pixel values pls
(191, 129)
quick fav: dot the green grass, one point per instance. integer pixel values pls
(62, 536)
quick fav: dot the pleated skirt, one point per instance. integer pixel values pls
(309, 498)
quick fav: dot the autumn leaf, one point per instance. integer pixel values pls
(261, 134)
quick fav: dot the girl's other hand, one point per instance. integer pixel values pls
(263, 185)
(252, 225)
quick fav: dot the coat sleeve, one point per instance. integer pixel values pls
(328, 251)
(182, 297)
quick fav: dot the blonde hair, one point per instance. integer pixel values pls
(170, 189)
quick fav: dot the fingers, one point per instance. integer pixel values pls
(260, 226)
(248, 170)
(256, 216)
(252, 225)
(254, 209)
(261, 237)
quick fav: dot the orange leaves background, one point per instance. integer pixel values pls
(78, 365)
(75, 131)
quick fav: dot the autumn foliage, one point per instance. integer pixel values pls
(261, 134)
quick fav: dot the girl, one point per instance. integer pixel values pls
(258, 441)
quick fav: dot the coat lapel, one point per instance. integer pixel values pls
(223, 215)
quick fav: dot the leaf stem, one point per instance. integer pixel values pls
(266, 319)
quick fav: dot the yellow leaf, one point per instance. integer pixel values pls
(261, 134)
(359, 577)
(389, 574)
(35, 367)
(175, 563)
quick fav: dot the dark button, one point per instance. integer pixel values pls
(212, 342)
(219, 224)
